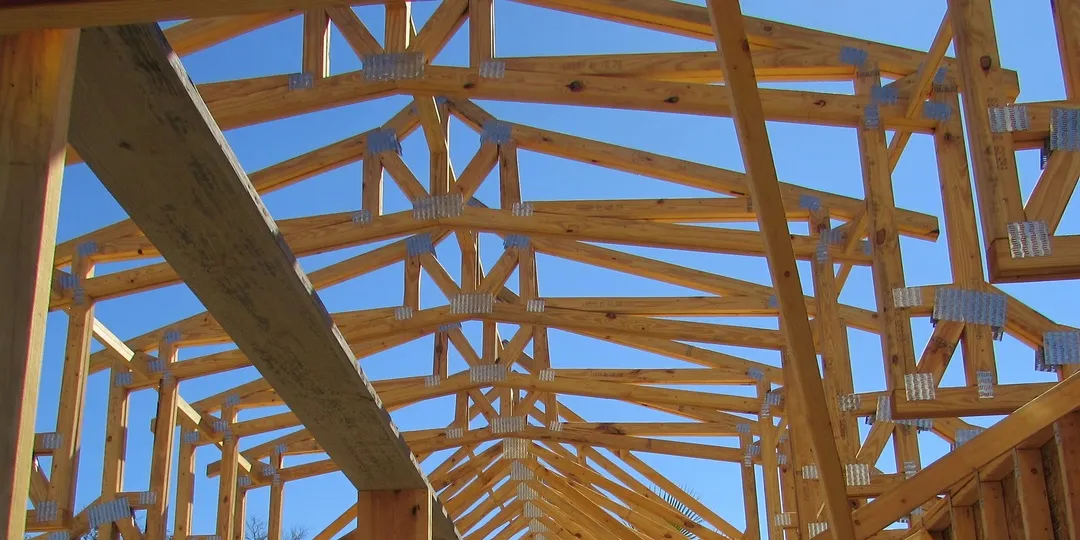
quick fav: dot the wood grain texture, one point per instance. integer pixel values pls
(35, 14)
(36, 74)
(800, 358)
(135, 112)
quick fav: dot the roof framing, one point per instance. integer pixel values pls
(524, 464)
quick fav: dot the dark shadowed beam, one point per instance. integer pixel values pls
(147, 135)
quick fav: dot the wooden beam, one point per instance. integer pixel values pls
(398, 21)
(955, 466)
(1031, 494)
(897, 348)
(802, 376)
(993, 154)
(112, 474)
(481, 31)
(227, 488)
(115, 139)
(185, 490)
(87, 13)
(65, 462)
(354, 31)
(961, 228)
(165, 430)
(1067, 438)
(195, 35)
(36, 74)
(316, 53)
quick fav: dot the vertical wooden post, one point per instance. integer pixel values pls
(37, 71)
(897, 347)
(412, 282)
(963, 523)
(440, 362)
(227, 489)
(398, 22)
(316, 54)
(185, 489)
(481, 31)
(801, 375)
(836, 358)
(372, 187)
(1067, 438)
(993, 154)
(1031, 492)
(470, 261)
(962, 231)
(788, 491)
(749, 485)
(65, 462)
(164, 431)
(769, 467)
(992, 510)
(240, 514)
(112, 475)
(394, 515)
(461, 411)
(277, 500)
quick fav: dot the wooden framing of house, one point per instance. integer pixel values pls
(115, 96)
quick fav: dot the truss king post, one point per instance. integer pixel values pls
(993, 154)
(832, 334)
(898, 350)
(801, 374)
(37, 70)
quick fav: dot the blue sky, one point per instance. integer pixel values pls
(819, 157)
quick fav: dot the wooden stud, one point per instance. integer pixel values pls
(65, 462)
(481, 31)
(277, 501)
(1032, 495)
(749, 485)
(36, 73)
(412, 283)
(1067, 437)
(993, 154)
(897, 349)
(836, 358)
(964, 526)
(961, 230)
(227, 485)
(992, 509)
(316, 56)
(398, 21)
(185, 490)
(164, 432)
(112, 474)
(239, 517)
(372, 187)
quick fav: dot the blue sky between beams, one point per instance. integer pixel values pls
(819, 157)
